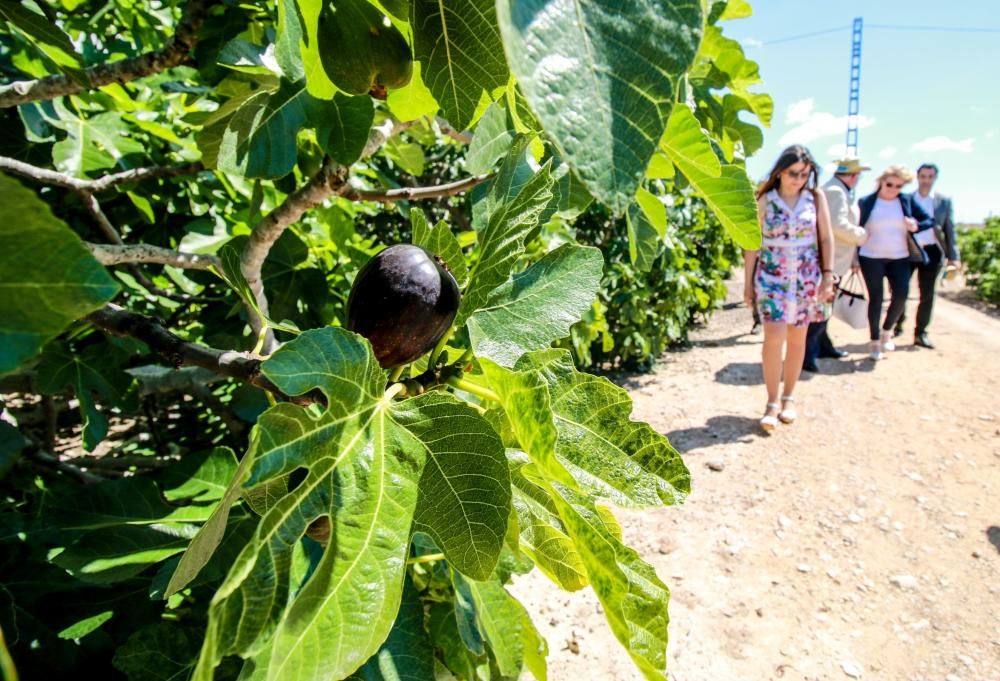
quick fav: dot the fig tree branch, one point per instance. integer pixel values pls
(330, 181)
(237, 365)
(58, 179)
(120, 254)
(176, 51)
(417, 193)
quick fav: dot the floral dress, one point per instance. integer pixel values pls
(788, 273)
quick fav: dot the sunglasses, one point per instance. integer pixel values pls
(890, 185)
(800, 175)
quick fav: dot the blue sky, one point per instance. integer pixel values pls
(925, 96)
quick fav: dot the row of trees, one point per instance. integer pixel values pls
(203, 474)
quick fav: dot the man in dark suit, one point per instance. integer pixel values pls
(937, 243)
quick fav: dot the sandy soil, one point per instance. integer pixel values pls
(862, 541)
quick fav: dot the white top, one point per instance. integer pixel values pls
(886, 231)
(927, 236)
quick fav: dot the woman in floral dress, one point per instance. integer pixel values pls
(786, 278)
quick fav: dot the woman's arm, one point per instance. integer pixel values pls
(824, 237)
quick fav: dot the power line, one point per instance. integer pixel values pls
(887, 27)
(947, 29)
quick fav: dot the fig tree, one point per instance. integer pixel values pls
(403, 301)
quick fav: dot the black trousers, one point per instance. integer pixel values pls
(817, 341)
(898, 272)
(927, 279)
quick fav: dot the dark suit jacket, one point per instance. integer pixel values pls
(944, 226)
(911, 209)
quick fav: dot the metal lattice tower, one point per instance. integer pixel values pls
(854, 97)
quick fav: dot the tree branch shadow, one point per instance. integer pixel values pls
(725, 429)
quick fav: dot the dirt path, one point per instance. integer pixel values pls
(861, 542)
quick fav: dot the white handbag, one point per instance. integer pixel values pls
(850, 304)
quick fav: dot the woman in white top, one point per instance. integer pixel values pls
(888, 217)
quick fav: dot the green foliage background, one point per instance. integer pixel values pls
(283, 507)
(980, 249)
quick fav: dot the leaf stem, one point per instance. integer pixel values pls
(393, 390)
(439, 348)
(429, 558)
(260, 339)
(473, 388)
(397, 372)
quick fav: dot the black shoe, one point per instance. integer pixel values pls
(833, 353)
(810, 366)
(897, 332)
(923, 341)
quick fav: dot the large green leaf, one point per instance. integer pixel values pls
(41, 295)
(490, 142)
(93, 143)
(514, 208)
(95, 372)
(128, 501)
(537, 306)
(643, 238)
(117, 553)
(500, 619)
(257, 138)
(464, 499)
(363, 456)
(731, 198)
(601, 77)
(202, 476)
(440, 241)
(623, 461)
(685, 140)
(413, 101)
(542, 534)
(45, 36)
(459, 46)
(407, 654)
(634, 598)
(165, 651)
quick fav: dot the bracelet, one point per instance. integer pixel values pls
(826, 271)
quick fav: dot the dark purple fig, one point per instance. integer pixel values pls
(403, 301)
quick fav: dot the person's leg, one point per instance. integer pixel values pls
(898, 329)
(774, 341)
(927, 277)
(873, 270)
(813, 344)
(898, 274)
(796, 339)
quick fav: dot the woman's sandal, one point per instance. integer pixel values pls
(787, 414)
(769, 422)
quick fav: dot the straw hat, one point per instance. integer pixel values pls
(849, 166)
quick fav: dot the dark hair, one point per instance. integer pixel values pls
(929, 166)
(789, 157)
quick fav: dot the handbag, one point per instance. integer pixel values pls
(850, 305)
(916, 254)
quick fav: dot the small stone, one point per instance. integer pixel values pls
(851, 669)
(967, 661)
(985, 417)
(914, 476)
(952, 677)
(714, 465)
(854, 517)
(784, 521)
(802, 567)
(906, 582)
(898, 526)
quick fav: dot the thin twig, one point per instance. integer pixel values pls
(52, 461)
(53, 177)
(417, 193)
(448, 131)
(119, 254)
(176, 51)
(240, 366)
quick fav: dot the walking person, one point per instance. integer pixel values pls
(847, 236)
(937, 243)
(786, 278)
(888, 216)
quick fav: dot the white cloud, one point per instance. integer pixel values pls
(809, 124)
(944, 143)
(751, 42)
(888, 152)
(837, 150)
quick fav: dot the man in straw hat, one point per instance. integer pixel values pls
(847, 236)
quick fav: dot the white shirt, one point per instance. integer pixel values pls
(926, 237)
(886, 231)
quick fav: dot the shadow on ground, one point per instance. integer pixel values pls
(717, 430)
(993, 534)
